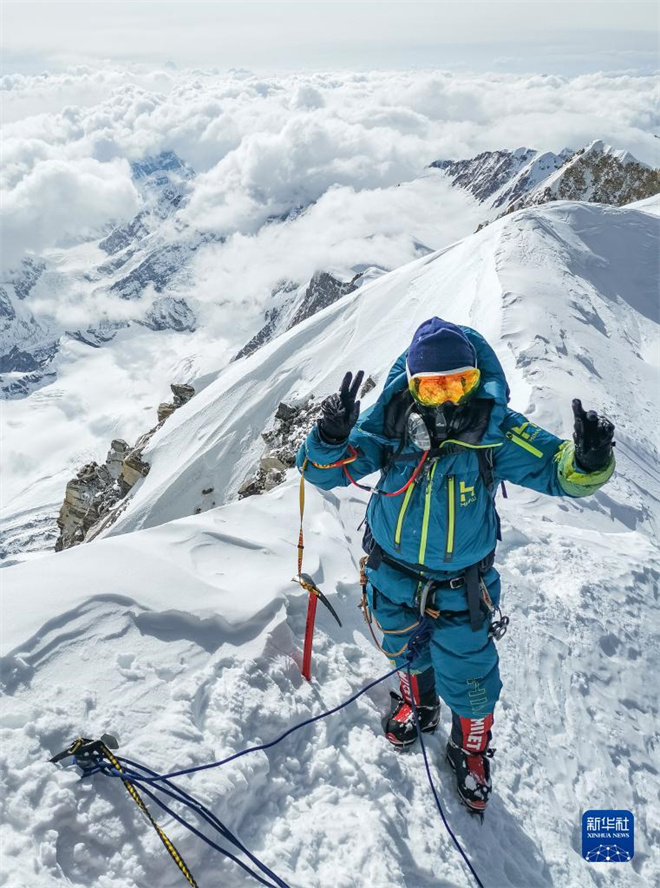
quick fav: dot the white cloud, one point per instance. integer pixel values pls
(59, 199)
(264, 145)
(344, 228)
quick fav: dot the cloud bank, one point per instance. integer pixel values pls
(350, 144)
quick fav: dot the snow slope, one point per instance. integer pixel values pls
(567, 264)
(184, 638)
(649, 205)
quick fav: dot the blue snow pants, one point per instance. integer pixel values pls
(465, 663)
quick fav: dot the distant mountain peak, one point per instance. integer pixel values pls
(166, 161)
(597, 173)
(620, 154)
(510, 180)
(486, 173)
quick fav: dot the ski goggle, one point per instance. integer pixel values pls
(434, 389)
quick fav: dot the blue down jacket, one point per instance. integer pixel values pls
(446, 520)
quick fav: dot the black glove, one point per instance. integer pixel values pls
(339, 412)
(593, 439)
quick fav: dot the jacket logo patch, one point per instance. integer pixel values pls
(527, 430)
(467, 494)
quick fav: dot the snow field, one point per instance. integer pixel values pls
(332, 802)
(185, 638)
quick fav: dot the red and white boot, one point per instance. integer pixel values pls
(399, 725)
(469, 755)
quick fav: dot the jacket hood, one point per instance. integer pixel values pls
(493, 386)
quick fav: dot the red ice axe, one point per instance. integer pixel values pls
(304, 580)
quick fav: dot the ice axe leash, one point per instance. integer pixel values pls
(305, 580)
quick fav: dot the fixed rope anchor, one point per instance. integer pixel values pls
(90, 756)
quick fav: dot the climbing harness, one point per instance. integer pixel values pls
(370, 619)
(478, 599)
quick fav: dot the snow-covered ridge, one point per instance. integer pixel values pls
(184, 638)
(495, 280)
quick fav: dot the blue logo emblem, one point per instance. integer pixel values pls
(608, 836)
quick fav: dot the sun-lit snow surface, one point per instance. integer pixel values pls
(184, 638)
(650, 205)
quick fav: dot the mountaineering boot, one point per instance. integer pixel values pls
(399, 725)
(469, 756)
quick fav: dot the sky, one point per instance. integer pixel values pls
(535, 35)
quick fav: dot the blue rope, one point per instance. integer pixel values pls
(271, 743)
(163, 784)
(152, 795)
(418, 639)
(421, 635)
(180, 795)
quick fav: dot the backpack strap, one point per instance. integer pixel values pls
(487, 474)
(487, 468)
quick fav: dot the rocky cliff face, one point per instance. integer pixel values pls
(93, 498)
(511, 180)
(487, 173)
(294, 304)
(283, 437)
(598, 174)
(288, 430)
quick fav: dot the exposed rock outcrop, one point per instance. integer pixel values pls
(287, 432)
(290, 427)
(486, 173)
(182, 394)
(598, 174)
(294, 304)
(323, 290)
(91, 494)
(283, 296)
(93, 498)
(512, 180)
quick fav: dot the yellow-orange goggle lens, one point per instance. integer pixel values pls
(431, 391)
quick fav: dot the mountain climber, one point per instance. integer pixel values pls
(443, 438)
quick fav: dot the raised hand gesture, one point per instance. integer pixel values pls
(340, 411)
(593, 438)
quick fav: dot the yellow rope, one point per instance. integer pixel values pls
(137, 798)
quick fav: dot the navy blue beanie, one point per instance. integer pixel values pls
(440, 347)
